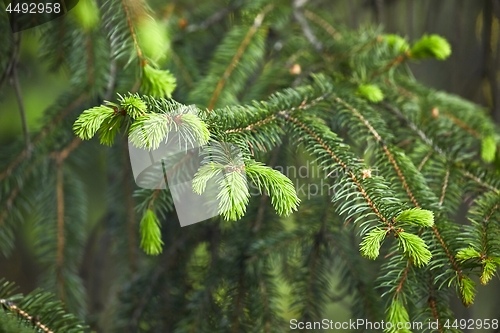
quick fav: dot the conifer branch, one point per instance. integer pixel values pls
(344, 166)
(46, 130)
(460, 124)
(90, 60)
(238, 302)
(410, 194)
(424, 160)
(265, 198)
(133, 34)
(437, 149)
(387, 152)
(433, 306)
(445, 185)
(185, 73)
(393, 63)
(306, 29)
(216, 17)
(323, 23)
(26, 316)
(253, 126)
(17, 190)
(59, 158)
(239, 52)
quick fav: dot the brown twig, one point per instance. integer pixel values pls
(342, 164)
(26, 316)
(323, 23)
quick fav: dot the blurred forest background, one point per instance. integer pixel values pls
(472, 71)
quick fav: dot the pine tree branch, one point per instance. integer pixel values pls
(59, 158)
(437, 149)
(393, 63)
(265, 300)
(238, 304)
(304, 105)
(265, 198)
(46, 130)
(253, 126)
(185, 73)
(169, 257)
(351, 174)
(445, 185)
(410, 194)
(90, 60)
(432, 304)
(323, 23)
(387, 152)
(16, 191)
(306, 29)
(133, 34)
(26, 316)
(424, 160)
(239, 53)
(216, 17)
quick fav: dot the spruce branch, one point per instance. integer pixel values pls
(323, 24)
(237, 56)
(132, 30)
(344, 166)
(38, 310)
(306, 29)
(438, 149)
(214, 18)
(41, 135)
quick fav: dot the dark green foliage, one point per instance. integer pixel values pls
(395, 162)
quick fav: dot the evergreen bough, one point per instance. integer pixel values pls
(285, 85)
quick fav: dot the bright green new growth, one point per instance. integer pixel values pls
(370, 246)
(397, 313)
(488, 148)
(151, 129)
(489, 270)
(241, 72)
(152, 38)
(90, 121)
(431, 46)
(467, 289)
(133, 105)
(86, 14)
(414, 248)
(233, 196)
(467, 253)
(150, 232)
(157, 82)
(417, 216)
(371, 92)
(397, 42)
(279, 187)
